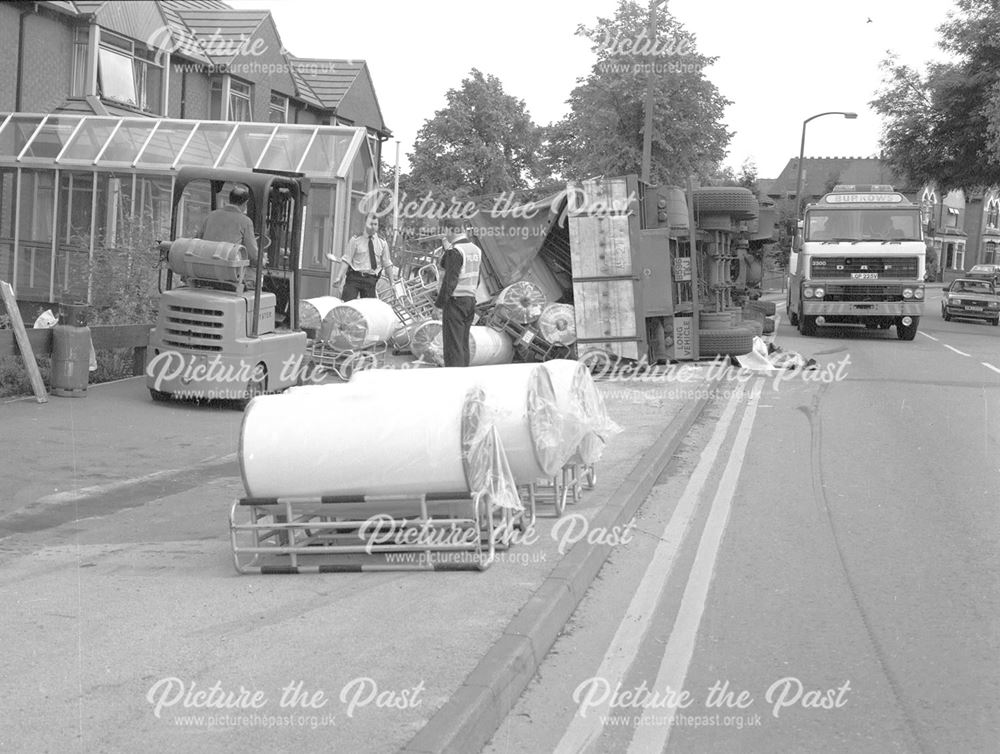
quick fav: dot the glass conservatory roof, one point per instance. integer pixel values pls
(147, 144)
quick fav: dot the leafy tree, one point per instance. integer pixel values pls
(483, 142)
(603, 133)
(944, 126)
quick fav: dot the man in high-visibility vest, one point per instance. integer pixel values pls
(457, 296)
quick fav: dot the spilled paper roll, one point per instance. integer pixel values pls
(360, 323)
(486, 345)
(521, 302)
(582, 402)
(521, 402)
(313, 310)
(557, 324)
(351, 440)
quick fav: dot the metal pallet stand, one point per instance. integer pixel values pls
(528, 341)
(344, 363)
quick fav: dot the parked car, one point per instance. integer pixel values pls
(971, 298)
(989, 272)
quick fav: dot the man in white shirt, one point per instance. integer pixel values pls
(366, 258)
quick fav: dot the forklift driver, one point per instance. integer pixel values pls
(230, 224)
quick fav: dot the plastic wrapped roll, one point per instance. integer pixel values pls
(426, 342)
(521, 302)
(557, 324)
(313, 310)
(360, 323)
(522, 405)
(584, 404)
(486, 345)
(339, 440)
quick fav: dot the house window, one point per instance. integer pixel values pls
(958, 259)
(127, 74)
(990, 253)
(239, 101)
(278, 110)
(81, 41)
(993, 214)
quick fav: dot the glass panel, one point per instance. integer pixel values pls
(7, 204)
(76, 191)
(326, 153)
(194, 206)
(52, 138)
(89, 139)
(115, 76)
(286, 149)
(166, 144)
(152, 196)
(125, 144)
(319, 227)
(245, 148)
(206, 145)
(35, 244)
(361, 170)
(6, 260)
(16, 134)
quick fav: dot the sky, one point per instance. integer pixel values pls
(780, 61)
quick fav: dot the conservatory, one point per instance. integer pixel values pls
(70, 184)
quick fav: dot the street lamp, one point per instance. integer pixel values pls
(802, 153)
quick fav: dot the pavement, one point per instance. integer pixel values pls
(125, 605)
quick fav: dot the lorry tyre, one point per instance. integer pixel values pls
(807, 325)
(732, 341)
(793, 318)
(907, 332)
(726, 200)
(767, 308)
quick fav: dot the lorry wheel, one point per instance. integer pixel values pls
(732, 341)
(904, 332)
(159, 396)
(996, 322)
(807, 325)
(793, 318)
(946, 317)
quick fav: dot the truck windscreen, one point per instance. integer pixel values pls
(863, 225)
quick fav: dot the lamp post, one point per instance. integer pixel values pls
(802, 153)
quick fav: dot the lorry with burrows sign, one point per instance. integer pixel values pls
(858, 259)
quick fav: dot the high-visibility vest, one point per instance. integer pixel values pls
(468, 278)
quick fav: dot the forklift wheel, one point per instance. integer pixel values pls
(256, 386)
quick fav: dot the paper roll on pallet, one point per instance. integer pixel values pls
(521, 302)
(557, 324)
(575, 385)
(339, 440)
(520, 399)
(486, 345)
(313, 310)
(360, 323)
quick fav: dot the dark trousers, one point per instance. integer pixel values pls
(358, 285)
(456, 320)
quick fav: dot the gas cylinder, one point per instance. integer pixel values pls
(70, 361)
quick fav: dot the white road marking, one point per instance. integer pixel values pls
(990, 366)
(584, 731)
(930, 336)
(680, 647)
(952, 348)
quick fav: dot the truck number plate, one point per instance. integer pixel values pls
(864, 275)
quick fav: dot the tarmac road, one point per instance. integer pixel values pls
(818, 571)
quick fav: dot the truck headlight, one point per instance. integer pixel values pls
(819, 293)
(907, 293)
(807, 293)
(919, 293)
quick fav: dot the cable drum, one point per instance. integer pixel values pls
(360, 323)
(557, 324)
(521, 302)
(349, 440)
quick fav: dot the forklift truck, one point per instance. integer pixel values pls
(226, 330)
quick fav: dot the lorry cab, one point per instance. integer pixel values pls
(225, 329)
(858, 259)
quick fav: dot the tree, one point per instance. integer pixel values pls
(944, 126)
(483, 142)
(603, 132)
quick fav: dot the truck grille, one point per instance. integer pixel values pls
(193, 328)
(863, 293)
(901, 268)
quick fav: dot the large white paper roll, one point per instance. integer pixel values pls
(521, 302)
(313, 310)
(352, 440)
(557, 324)
(360, 323)
(582, 403)
(488, 346)
(521, 403)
